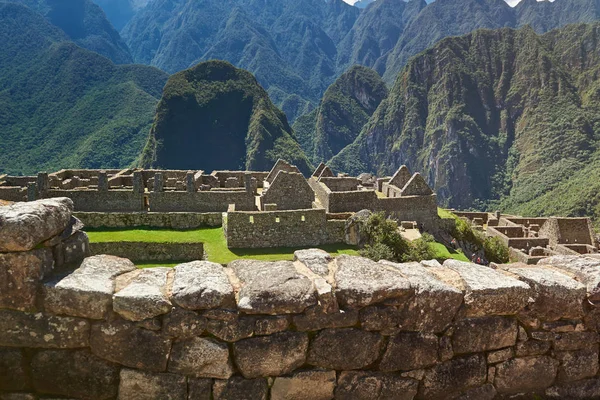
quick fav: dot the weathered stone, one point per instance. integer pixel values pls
(326, 296)
(238, 388)
(381, 318)
(73, 250)
(87, 292)
(201, 357)
(331, 347)
(485, 392)
(42, 331)
(532, 348)
(371, 385)
(152, 324)
(25, 225)
(199, 389)
(446, 351)
(139, 385)
(272, 288)
(582, 390)
(184, 324)
(556, 295)
(497, 356)
(409, 351)
(270, 325)
(13, 375)
(362, 282)
(575, 340)
(314, 319)
(529, 374)
(78, 374)
(473, 335)
(315, 259)
(585, 270)
(577, 364)
(145, 296)
(231, 331)
(313, 384)
(124, 343)
(453, 377)
(18, 396)
(435, 302)
(274, 355)
(489, 292)
(20, 277)
(202, 285)
(221, 314)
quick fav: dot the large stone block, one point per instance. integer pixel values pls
(237, 388)
(184, 324)
(273, 355)
(485, 392)
(315, 319)
(409, 351)
(88, 291)
(20, 277)
(74, 249)
(577, 364)
(139, 385)
(453, 377)
(524, 375)
(583, 269)
(372, 385)
(13, 372)
(202, 358)
(199, 389)
(489, 292)
(312, 384)
(331, 347)
(124, 343)
(272, 287)
(77, 374)
(361, 282)
(231, 330)
(25, 225)
(42, 331)
(474, 335)
(581, 390)
(202, 285)
(315, 259)
(575, 340)
(145, 296)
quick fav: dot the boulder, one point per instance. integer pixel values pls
(272, 287)
(331, 347)
(584, 269)
(475, 335)
(202, 358)
(409, 351)
(274, 355)
(453, 377)
(315, 259)
(145, 296)
(312, 384)
(13, 375)
(238, 388)
(88, 291)
(25, 225)
(202, 285)
(523, 375)
(140, 385)
(352, 230)
(359, 385)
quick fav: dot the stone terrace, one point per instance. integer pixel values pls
(316, 328)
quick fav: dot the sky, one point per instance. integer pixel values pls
(510, 2)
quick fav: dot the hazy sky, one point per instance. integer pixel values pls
(511, 2)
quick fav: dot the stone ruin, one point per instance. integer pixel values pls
(318, 328)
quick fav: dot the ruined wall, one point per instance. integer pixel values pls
(422, 209)
(171, 220)
(241, 176)
(94, 200)
(568, 231)
(150, 252)
(351, 201)
(13, 193)
(209, 201)
(340, 184)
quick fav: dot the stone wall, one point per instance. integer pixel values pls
(170, 220)
(296, 228)
(209, 201)
(13, 193)
(241, 176)
(340, 184)
(94, 200)
(422, 209)
(140, 252)
(351, 201)
(568, 231)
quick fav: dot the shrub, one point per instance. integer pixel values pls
(495, 250)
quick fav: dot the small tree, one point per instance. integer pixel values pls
(383, 240)
(495, 250)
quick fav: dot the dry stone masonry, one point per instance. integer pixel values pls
(315, 328)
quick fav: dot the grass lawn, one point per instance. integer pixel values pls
(442, 252)
(445, 214)
(215, 245)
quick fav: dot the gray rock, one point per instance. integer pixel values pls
(575, 340)
(202, 285)
(331, 348)
(410, 351)
(74, 249)
(585, 270)
(42, 331)
(532, 348)
(184, 324)
(489, 292)
(231, 331)
(583, 390)
(453, 377)
(145, 296)
(77, 374)
(315, 259)
(386, 319)
(494, 357)
(314, 319)
(13, 375)
(139, 385)
(88, 291)
(20, 277)
(202, 358)
(524, 375)
(237, 388)
(199, 389)
(362, 282)
(275, 355)
(124, 343)
(312, 384)
(270, 325)
(485, 392)
(577, 364)
(474, 335)
(25, 225)
(272, 288)
(372, 385)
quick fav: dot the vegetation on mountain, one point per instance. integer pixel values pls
(62, 106)
(120, 12)
(215, 116)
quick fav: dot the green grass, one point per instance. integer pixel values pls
(215, 245)
(442, 213)
(442, 252)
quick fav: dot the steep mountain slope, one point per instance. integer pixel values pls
(493, 117)
(347, 105)
(216, 116)
(120, 12)
(62, 106)
(545, 16)
(85, 24)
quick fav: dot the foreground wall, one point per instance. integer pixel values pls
(315, 328)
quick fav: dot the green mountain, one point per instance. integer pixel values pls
(85, 24)
(62, 106)
(216, 116)
(120, 12)
(346, 106)
(503, 118)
